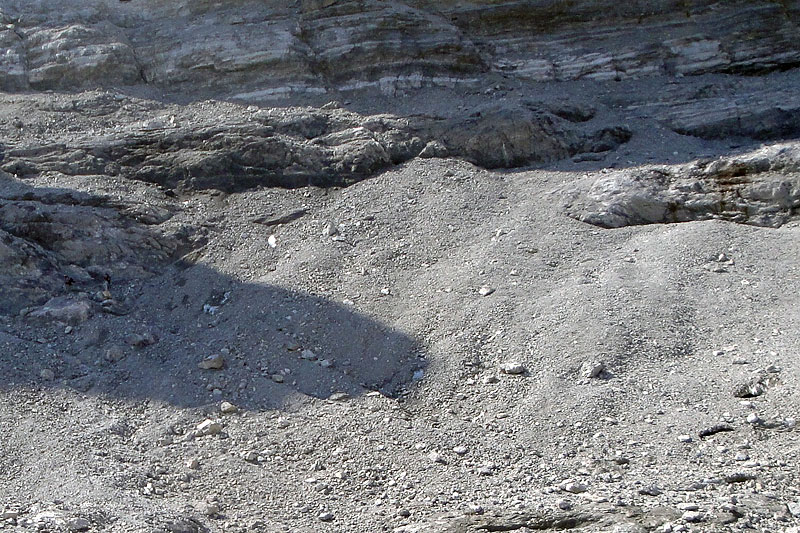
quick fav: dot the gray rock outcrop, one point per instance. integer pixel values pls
(761, 188)
(253, 50)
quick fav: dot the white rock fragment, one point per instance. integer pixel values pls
(272, 241)
(193, 463)
(437, 458)
(227, 408)
(592, 369)
(513, 368)
(330, 229)
(460, 450)
(209, 427)
(338, 396)
(685, 438)
(753, 419)
(327, 516)
(277, 378)
(485, 290)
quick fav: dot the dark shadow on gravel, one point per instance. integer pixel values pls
(279, 345)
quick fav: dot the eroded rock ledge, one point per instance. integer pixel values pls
(247, 147)
(761, 188)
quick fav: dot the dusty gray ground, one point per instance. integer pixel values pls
(365, 334)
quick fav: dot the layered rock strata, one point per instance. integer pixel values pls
(761, 188)
(265, 49)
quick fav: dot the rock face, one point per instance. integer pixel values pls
(182, 147)
(262, 49)
(761, 188)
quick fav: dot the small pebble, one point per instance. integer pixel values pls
(513, 368)
(212, 362)
(47, 374)
(592, 369)
(250, 457)
(277, 378)
(437, 458)
(193, 464)
(685, 438)
(460, 450)
(753, 418)
(574, 487)
(485, 291)
(209, 427)
(228, 408)
(564, 505)
(325, 517)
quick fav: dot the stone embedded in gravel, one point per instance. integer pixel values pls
(277, 378)
(486, 470)
(753, 419)
(9, 515)
(685, 438)
(193, 464)
(437, 458)
(564, 505)
(78, 523)
(750, 389)
(592, 369)
(47, 374)
(338, 396)
(209, 427)
(308, 354)
(330, 230)
(485, 290)
(250, 456)
(460, 450)
(692, 516)
(142, 340)
(574, 487)
(513, 368)
(114, 353)
(227, 408)
(652, 490)
(325, 517)
(794, 508)
(209, 508)
(63, 309)
(212, 362)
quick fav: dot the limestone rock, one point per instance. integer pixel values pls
(761, 188)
